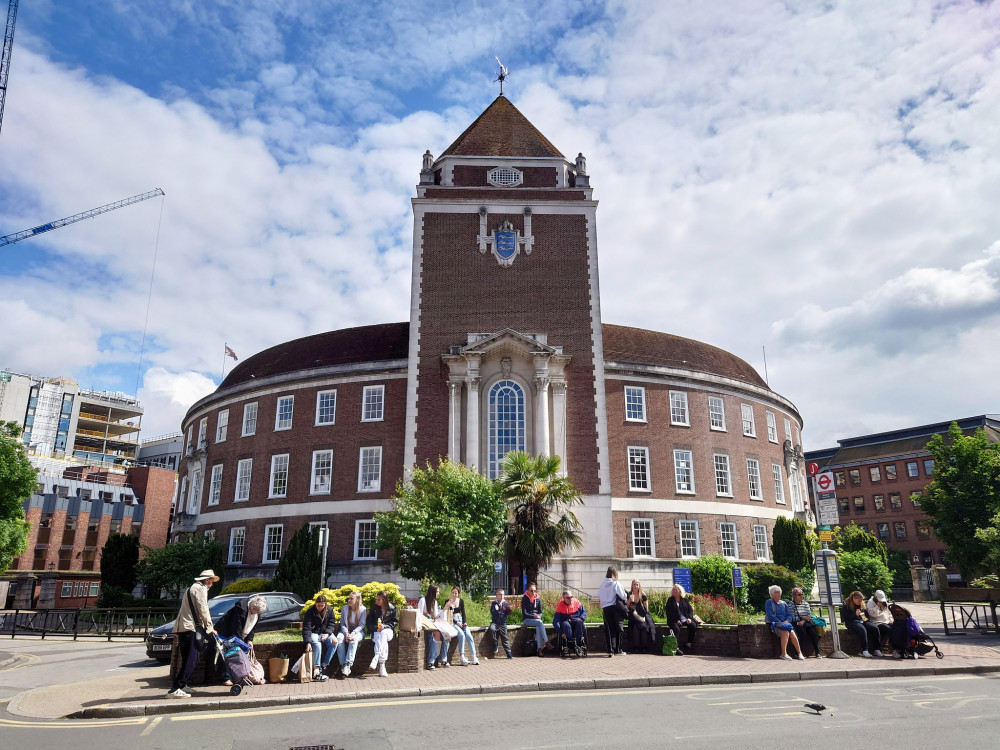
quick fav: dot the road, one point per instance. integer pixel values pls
(919, 712)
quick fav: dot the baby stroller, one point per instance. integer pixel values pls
(244, 669)
(906, 636)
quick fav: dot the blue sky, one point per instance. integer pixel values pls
(819, 179)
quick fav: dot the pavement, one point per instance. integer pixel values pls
(142, 692)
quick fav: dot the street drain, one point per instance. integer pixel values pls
(316, 747)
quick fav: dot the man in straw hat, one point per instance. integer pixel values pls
(193, 612)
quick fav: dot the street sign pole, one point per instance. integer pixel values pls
(828, 576)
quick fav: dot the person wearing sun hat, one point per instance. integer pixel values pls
(193, 612)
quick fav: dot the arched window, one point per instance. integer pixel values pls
(506, 423)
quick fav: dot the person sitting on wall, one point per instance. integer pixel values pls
(352, 632)
(531, 610)
(429, 619)
(641, 628)
(802, 620)
(382, 624)
(239, 622)
(778, 615)
(680, 620)
(568, 622)
(878, 613)
(851, 614)
(499, 610)
(318, 626)
(456, 605)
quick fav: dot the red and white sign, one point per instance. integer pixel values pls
(824, 482)
(813, 468)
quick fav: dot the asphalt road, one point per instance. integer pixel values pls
(919, 712)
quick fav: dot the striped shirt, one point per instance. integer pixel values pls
(800, 610)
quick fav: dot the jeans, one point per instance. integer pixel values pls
(465, 637)
(571, 629)
(541, 638)
(346, 651)
(868, 635)
(499, 633)
(434, 648)
(327, 647)
(188, 661)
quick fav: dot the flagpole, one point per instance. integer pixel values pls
(225, 344)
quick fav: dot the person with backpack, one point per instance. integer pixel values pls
(193, 614)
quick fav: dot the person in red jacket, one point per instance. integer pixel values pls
(568, 621)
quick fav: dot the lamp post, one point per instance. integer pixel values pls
(324, 537)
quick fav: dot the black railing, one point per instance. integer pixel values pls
(84, 623)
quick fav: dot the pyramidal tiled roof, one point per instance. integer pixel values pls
(501, 130)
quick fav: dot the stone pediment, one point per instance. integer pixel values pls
(508, 340)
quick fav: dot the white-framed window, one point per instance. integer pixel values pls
(365, 539)
(326, 407)
(716, 413)
(273, 536)
(504, 177)
(370, 469)
(760, 541)
(279, 476)
(635, 403)
(243, 471)
(190, 435)
(373, 403)
(322, 473)
(727, 535)
(684, 471)
(679, 408)
(642, 537)
(182, 494)
(249, 419)
(772, 427)
(753, 479)
(237, 542)
(788, 429)
(638, 469)
(194, 499)
(749, 426)
(723, 479)
(95, 587)
(283, 414)
(67, 590)
(690, 540)
(209, 535)
(202, 432)
(793, 485)
(779, 484)
(505, 424)
(318, 525)
(222, 426)
(215, 487)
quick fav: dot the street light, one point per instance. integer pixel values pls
(324, 537)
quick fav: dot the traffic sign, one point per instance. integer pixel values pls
(828, 513)
(825, 535)
(813, 468)
(824, 482)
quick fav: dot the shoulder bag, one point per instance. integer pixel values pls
(201, 638)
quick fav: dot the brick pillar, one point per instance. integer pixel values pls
(409, 652)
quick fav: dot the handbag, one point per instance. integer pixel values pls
(819, 622)
(256, 671)
(621, 607)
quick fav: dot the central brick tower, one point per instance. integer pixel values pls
(505, 323)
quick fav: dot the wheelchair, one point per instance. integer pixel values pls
(566, 650)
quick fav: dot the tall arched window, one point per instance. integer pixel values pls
(506, 423)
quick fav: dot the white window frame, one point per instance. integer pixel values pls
(727, 537)
(319, 398)
(376, 484)
(638, 456)
(723, 475)
(215, 486)
(244, 473)
(638, 394)
(689, 535)
(754, 488)
(749, 424)
(202, 432)
(377, 400)
(760, 545)
(772, 427)
(716, 413)
(788, 429)
(189, 444)
(249, 420)
(367, 523)
(277, 485)
(912, 469)
(316, 457)
(779, 483)
(222, 426)
(209, 534)
(181, 503)
(284, 423)
(682, 457)
(237, 533)
(266, 557)
(642, 538)
(194, 499)
(680, 415)
(67, 590)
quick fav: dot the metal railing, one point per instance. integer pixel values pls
(84, 623)
(980, 617)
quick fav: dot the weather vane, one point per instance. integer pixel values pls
(502, 75)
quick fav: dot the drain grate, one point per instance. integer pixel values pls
(316, 747)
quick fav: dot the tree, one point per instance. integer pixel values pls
(173, 568)
(299, 568)
(852, 538)
(119, 556)
(863, 571)
(790, 545)
(18, 479)
(446, 523)
(964, 497)
(541, 523)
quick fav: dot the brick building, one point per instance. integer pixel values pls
(880, 477)
(679, 448)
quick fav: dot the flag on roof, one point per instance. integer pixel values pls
(231, 353)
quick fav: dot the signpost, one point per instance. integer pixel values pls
(737, 584)
(828, 578)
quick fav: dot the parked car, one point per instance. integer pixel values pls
(283, 609)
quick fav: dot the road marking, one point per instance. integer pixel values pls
(62, 724)
(152, 725)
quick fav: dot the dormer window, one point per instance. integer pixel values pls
(505, 177)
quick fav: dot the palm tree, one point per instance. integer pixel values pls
(541, 523)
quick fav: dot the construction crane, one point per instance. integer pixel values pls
(8, 46)
(10, 239)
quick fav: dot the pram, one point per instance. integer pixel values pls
(243, 669)
(906, 636)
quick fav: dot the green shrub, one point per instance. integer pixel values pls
(717, 610)
(712, 574)
(658, 603)
(899, 569)
(248, 586)
(113, 596)
(863, 571)
(807, 576)
(760, 577)
(986, 582)
(790, 543)
(337, 598)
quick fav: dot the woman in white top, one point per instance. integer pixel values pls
(352, 632)
(431, 617)
(612, 595)
(878, 615)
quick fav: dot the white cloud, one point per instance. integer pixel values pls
(166, 397)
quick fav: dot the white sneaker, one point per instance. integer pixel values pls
(786, 656)
(866, 655)
(465, 662)
(475, 662)
(347, 670)
(381, 670)
(178, 693)
(877, 652)
(374, 662)
(801, 657)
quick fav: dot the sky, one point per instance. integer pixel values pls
(817, 181)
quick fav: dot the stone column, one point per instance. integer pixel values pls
(455, 420)
(559, 423)
(472, 423)
(542, 416)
